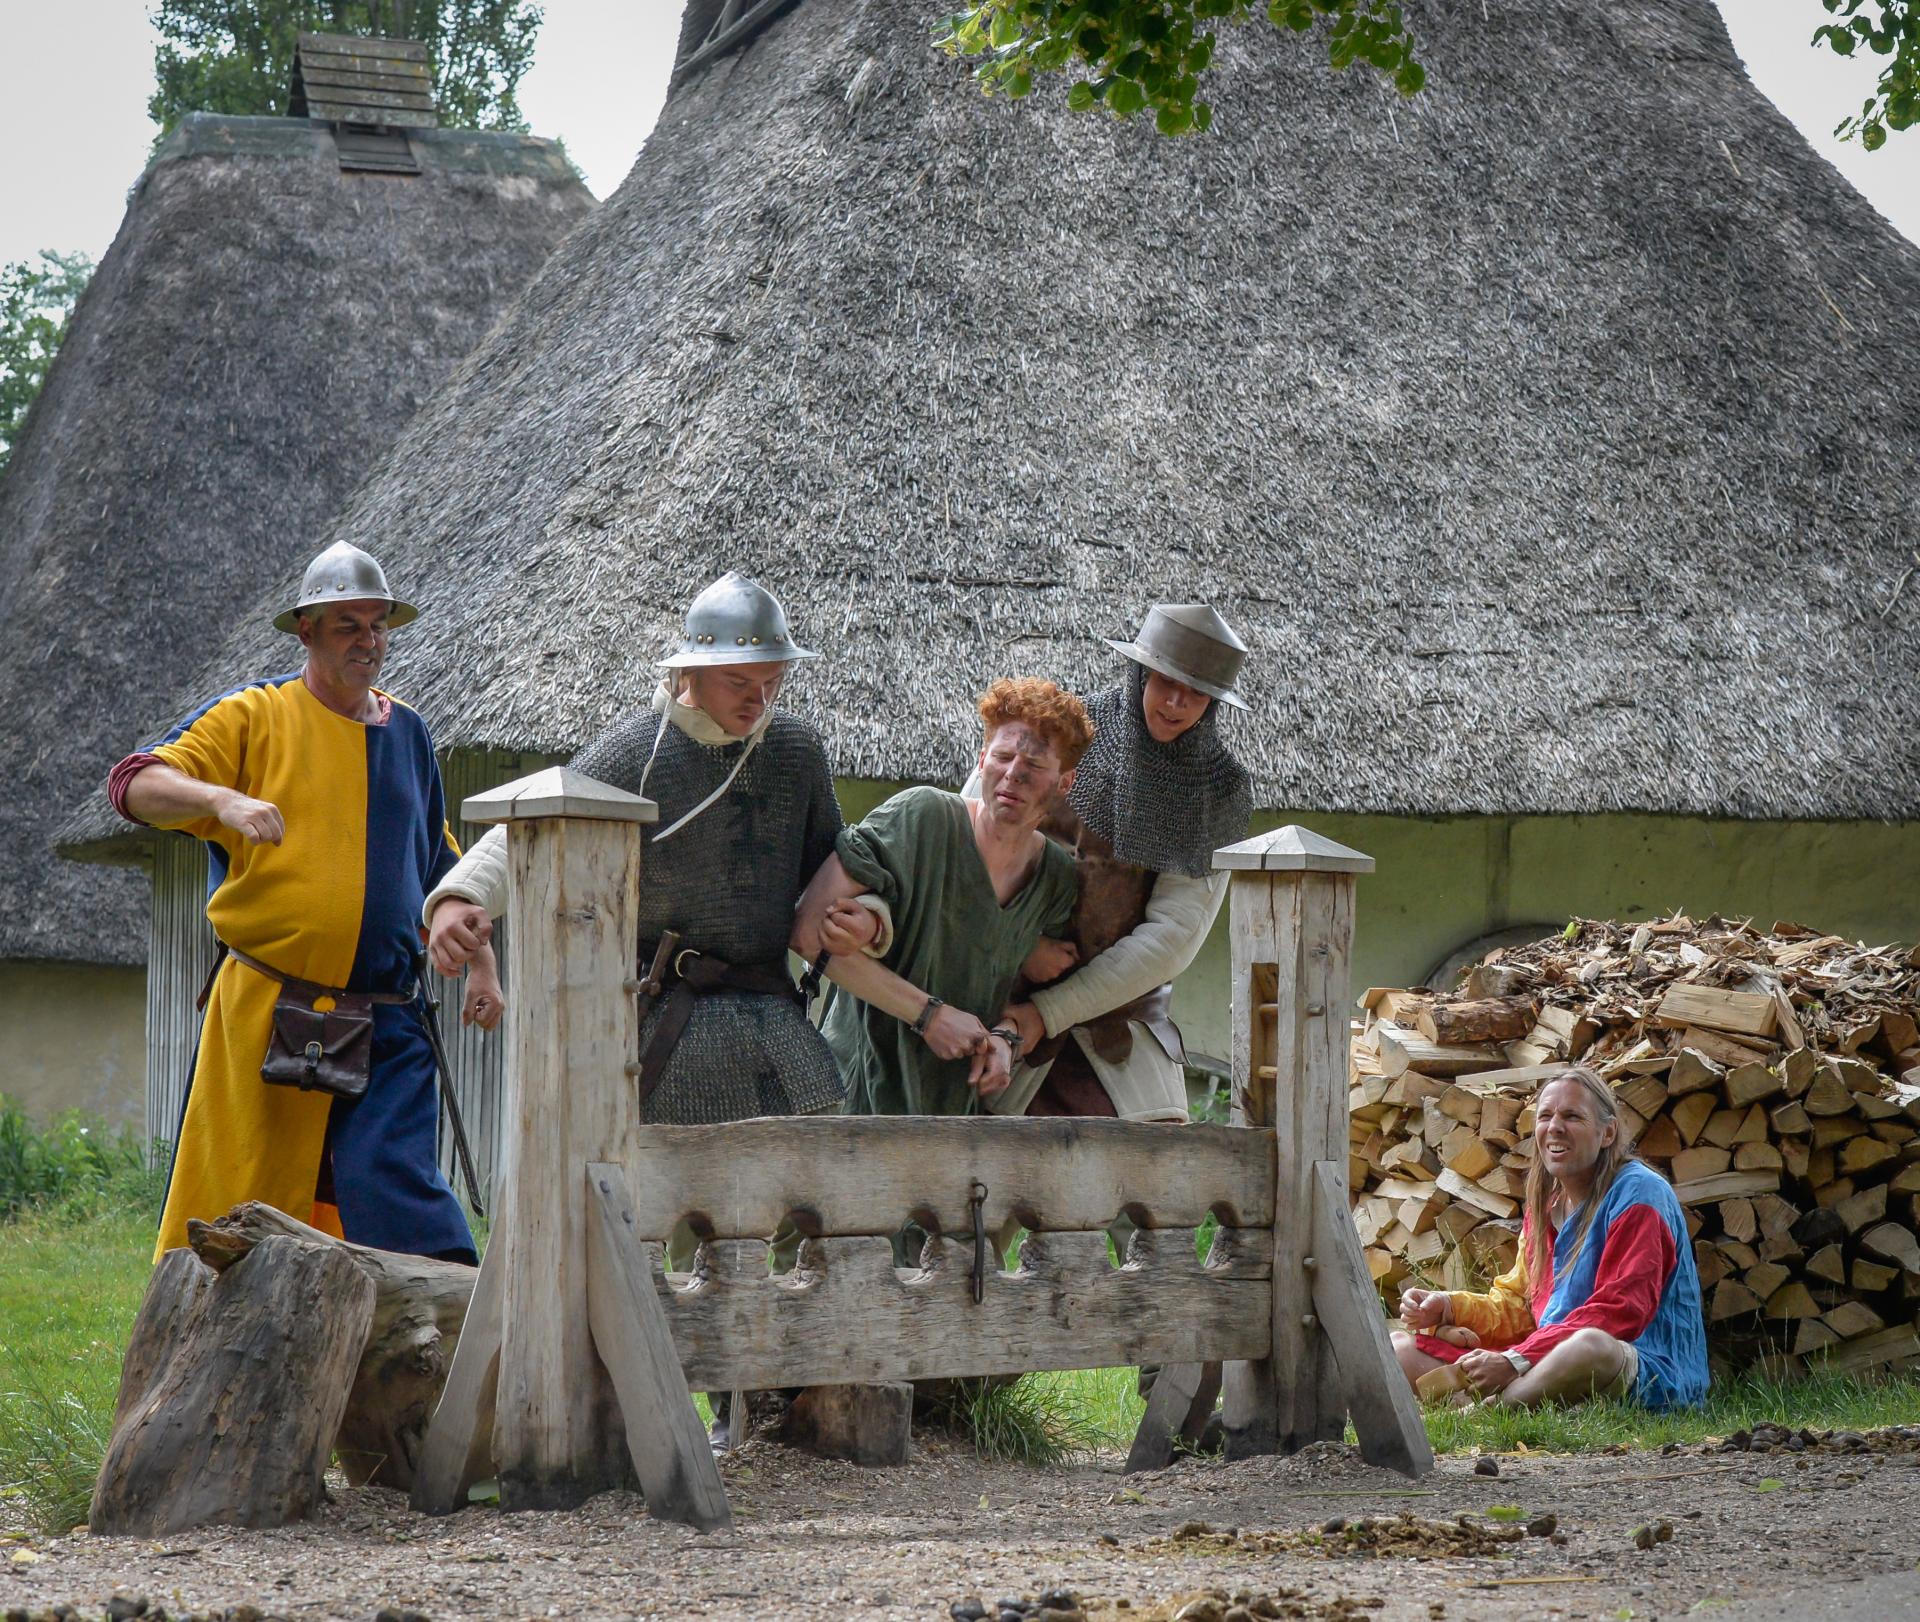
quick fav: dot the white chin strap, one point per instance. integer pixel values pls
(753, 741)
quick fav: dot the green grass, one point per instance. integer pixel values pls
(1044, 1419)
(69, 1289)
(1824, 1402)
(74, 1164)
(77, 1207)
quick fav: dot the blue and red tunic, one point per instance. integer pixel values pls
(1632, 1277)
(337, 902)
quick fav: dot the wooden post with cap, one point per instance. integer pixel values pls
(1291, 910)
(566, 1336)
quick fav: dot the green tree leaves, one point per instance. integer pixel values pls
(236, 56)
(1151, 54)
(1889, 28)
(36, 303)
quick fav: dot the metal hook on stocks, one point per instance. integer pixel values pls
(975, 1201)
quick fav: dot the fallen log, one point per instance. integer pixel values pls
(418, 1307)
(232, 1391)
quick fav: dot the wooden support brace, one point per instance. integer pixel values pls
(1182, 1402)
(1385, 1416)
(459, 1445)
(670, 1452)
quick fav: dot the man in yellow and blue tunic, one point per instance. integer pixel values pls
(321, 806)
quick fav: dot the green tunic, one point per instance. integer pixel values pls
(951, 937)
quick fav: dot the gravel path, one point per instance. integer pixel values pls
(815, 1539)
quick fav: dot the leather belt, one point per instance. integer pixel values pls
(311, 990)
(692, 974)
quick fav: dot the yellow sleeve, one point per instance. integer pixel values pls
(1503, 1316)
(212, 748)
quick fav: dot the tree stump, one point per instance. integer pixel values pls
(232, 1390)
(419, 1306)
(863, 1424)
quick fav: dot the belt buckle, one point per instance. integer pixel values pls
(680, 957)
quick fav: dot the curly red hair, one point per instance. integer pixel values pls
(1050, 710)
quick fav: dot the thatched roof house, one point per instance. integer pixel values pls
(1523, 429)
(264, 324)
(1550, 438)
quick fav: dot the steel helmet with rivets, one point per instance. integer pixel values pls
(344, 574)
(735, 622)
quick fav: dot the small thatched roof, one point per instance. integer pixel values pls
(1550, 438)
(255, 338)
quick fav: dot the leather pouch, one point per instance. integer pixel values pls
(327, 1050)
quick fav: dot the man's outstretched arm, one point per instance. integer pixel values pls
(164, 796)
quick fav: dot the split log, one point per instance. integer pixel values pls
(1870, 1278)
(1492, 1019)
(1748, 1083)
(1893, 1243)
(1793, 1300)
(1691, 1115)
(1694, 1071)
(232, 1391)
(1851, 1318)
(418, 1308)
(1402, 1050)
(1741, 1013)
(1827, 1263)
(1811, 1335)
(1702, 1161)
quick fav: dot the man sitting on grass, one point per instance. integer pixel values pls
(1603, 1299)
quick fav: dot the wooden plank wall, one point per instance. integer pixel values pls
(180, 950)
(477, 1057)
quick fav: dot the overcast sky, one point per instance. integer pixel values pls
(75, 76)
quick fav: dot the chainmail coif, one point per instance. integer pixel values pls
(1164, 806)
(727, 883)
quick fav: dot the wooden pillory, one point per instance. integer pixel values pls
(580, 1351)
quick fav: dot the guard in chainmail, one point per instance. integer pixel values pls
(1156, 795)
(1160, 807)
(747, 814)
(726, 884)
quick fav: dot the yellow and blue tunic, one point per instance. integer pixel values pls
(337, 902)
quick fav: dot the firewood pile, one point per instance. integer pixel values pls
(1773, 1076)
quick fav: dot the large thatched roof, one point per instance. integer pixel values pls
(256, 336)
(1550, 438)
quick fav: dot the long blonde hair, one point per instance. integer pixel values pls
(1542, 1185)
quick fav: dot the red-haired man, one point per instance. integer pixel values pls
(970, 887)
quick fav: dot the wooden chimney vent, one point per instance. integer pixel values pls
(371, 90)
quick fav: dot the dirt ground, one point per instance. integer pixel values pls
(815, 1539)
